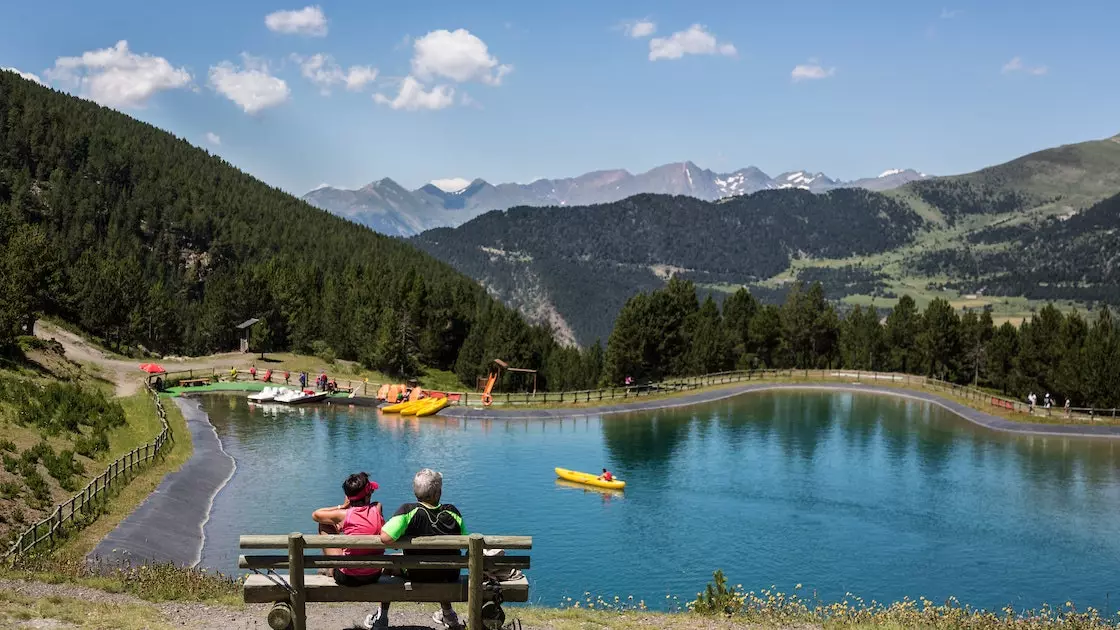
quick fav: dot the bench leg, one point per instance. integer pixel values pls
(280, 617)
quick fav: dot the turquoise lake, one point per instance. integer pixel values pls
(841, 492)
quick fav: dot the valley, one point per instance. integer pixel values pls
(1007, 238)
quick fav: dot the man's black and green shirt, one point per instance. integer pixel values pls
(419, 519)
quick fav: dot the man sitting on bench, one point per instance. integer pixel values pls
(427, 517)
(357, 516)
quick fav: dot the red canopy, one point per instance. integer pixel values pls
(152, 368)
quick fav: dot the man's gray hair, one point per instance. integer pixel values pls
(428, 486)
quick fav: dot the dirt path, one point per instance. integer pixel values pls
(124, 373)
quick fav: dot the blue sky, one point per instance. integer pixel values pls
(512, 91)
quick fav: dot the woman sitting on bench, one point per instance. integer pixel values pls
(357, 516)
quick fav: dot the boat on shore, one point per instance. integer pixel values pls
(589, 479)
(433, 406)
(296, 396)
(267, 394)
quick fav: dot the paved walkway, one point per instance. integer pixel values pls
(169, 526)
(981, 418)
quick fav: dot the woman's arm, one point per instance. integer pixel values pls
(332, 515)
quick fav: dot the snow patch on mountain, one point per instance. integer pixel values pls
(451, 184)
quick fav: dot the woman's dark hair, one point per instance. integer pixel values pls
(355, 484)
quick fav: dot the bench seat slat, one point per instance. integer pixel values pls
(260, 589)
(271, 541)
(278, 562)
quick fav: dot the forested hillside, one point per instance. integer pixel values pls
(144, 240)
(587, 260)
(1072, 259)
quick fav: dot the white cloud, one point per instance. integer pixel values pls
(457, 55)
(811, 71)
(118, 77)
(253, 87)
(26, 75)
(413, 96)
(639, 28)
(948, 14)
(213, 138)
(1016, 65)
(451, 184)
(306, 21)
(322, 70)
(694, 41)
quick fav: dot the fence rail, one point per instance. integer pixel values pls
(45, 532)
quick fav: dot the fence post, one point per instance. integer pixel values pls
(474, 581)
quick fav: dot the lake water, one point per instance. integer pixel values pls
(842, 492)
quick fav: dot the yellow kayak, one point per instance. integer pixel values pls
(589, 479)
(411, 408)
(395, 407)
(434, 405)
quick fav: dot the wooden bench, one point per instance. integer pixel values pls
(191, 382)
(290, 593)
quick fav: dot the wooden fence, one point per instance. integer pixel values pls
(43, 534)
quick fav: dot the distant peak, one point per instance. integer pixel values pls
(890, 171)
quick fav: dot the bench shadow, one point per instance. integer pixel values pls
(394, 627)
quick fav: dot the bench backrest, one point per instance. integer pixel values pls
(296, 544)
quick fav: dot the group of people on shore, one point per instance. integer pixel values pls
(322, 382)
(360, 515)
(1047, 403)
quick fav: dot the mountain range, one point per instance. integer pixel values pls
(389, 208)
(1043, 226)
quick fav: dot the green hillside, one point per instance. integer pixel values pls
(150, 243)
(960, 238)
(583, 262)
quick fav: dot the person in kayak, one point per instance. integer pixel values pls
(426, 517)
(606, 476)
(358, 515)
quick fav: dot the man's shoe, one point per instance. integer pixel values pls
(449, 621)
(376, 620)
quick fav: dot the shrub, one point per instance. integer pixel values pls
(718, 599)
(91, 445)
(11, 464)
(63, 467)
(40, 491)
(324, 352)
(10, 490)
(7, 446)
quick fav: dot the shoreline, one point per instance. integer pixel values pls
(168, 525)
(718, 393)
(970, 414)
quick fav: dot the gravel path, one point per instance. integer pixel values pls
(973, 415)
(249, 616)
(345, 616)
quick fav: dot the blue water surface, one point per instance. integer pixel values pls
(841, 492)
